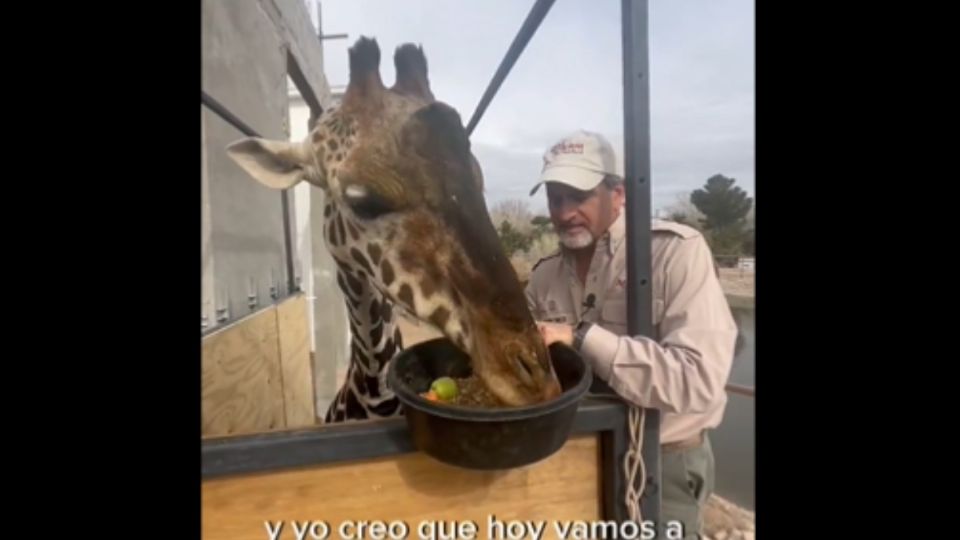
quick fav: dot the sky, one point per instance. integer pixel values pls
(569, 77)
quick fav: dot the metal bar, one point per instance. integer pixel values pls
(337, 443)
(334, 36)
(530, 25)
(742, 390)
(302, 85)
(636, 108)
(224, 113)
(287, 239)
(613, 448)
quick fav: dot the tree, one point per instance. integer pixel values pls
(512, 239)
(722, 204)
(516, 212)
(750, 236)
(725, 208)
(541, 226)
(749, 245)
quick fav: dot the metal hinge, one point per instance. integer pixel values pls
(252, 297)
(223, 306)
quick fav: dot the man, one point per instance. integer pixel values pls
(578, 296)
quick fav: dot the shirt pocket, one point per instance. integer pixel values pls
(557, 314)
(613, 316)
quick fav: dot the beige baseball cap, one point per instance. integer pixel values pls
(580, 160)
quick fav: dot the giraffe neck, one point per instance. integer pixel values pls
(374, 333)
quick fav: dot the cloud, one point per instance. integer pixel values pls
(570, 77)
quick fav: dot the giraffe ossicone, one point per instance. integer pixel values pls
(407, 224)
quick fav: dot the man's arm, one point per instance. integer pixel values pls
(688, 369)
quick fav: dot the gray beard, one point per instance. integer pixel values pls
(577, 240)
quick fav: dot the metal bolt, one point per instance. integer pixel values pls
(651, 487)
(223, 311)
(252, 299)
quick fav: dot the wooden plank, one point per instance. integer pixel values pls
(241, 389)
(294, 337)
(410, 488)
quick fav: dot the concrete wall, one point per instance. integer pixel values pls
(244, 68)
(253, 51)
(328, 314)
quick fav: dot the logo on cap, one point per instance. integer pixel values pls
(567, 148)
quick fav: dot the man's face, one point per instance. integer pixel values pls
(580, 217)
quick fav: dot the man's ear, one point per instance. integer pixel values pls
(275, 164)
(619, 194)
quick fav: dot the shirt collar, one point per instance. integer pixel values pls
(615, 234)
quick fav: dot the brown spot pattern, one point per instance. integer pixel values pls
(428, 287)
(353, 230)
(374, 251)
(406, 296)
(361, 260)
(386, 272)
(440, 316)
(340, 231)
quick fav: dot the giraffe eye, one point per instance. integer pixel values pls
(366, 204)
(354, 191)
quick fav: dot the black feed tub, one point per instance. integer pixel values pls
(484, 439)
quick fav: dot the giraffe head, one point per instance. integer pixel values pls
(406, 213)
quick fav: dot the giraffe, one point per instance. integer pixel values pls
(407, 225)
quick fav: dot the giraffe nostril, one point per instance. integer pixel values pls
(523, 370)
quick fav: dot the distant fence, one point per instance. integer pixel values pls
(744, 262)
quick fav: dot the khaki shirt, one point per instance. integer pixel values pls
(683, 370)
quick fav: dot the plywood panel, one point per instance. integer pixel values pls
(241, 383)
(410, 488)
(294, 334)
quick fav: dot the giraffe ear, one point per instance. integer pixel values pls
(275, 164)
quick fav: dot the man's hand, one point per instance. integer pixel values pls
(553, 332)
